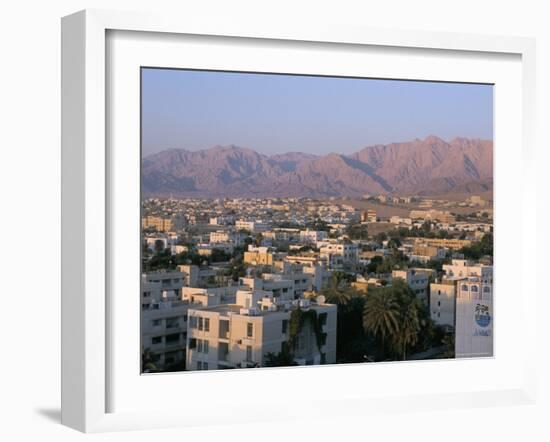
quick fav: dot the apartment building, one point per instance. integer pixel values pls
(251, 226)
(258, 256)
(464, 268)
(443, 302)
(312, 236)
(241, 335)
(474, 318)
(170, 281)
(210, 296)
(424, 253)
(417, 279)
(453, 244)
(163, 320)
(288, 285)
(224, 237)
(320, 275)
(164, 240)
(433, 215)
(369, 216)
(160, 224)
(338, 255)
(195, 276)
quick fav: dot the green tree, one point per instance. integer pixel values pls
(381, 315)
(337, 291)
(448, 342)
(147, 363)
(409, 327)
(159, 246)
(357, 231)
(479, 248)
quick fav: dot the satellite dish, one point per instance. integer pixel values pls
(321, 299)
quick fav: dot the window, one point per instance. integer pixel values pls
(249, 329)
(172, 322)
(474, 288)
(248, 352)
(199, 365)
(205, 365)
(156, 340)
(205, 348)
(201, 323)
(173, 339)
(464, 288)
(323, 339)
(323, 318)
(285, 326)
(206, 324)
(486, 289)
(193, 322)
(156, 322)
(192, 343)
(146, 294)
(439, 303)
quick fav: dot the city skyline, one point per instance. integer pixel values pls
(275, 113)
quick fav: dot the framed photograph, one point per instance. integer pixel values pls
(318, 210)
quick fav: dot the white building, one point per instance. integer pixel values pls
(242, 334)
(220, 236)
(168, 280)
(286, 286)
(224, 238)
(417, 279)
(163, 318)
(251, 226)
(338, 255)
(320, 275)
(474, 318)
(195, 276)
(312, 236)
(463, 268)
(163, 241)
(443, 302)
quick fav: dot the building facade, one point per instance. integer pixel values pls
(242, 335)
(474, 318)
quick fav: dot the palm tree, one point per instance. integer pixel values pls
(336, 292)
(381, 314)
(407, 335)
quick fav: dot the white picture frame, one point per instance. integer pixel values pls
(86, 203)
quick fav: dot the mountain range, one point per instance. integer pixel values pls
(422, 167)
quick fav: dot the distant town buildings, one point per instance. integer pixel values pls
(223, 279)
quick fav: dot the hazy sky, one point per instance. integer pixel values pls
(284, 113)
